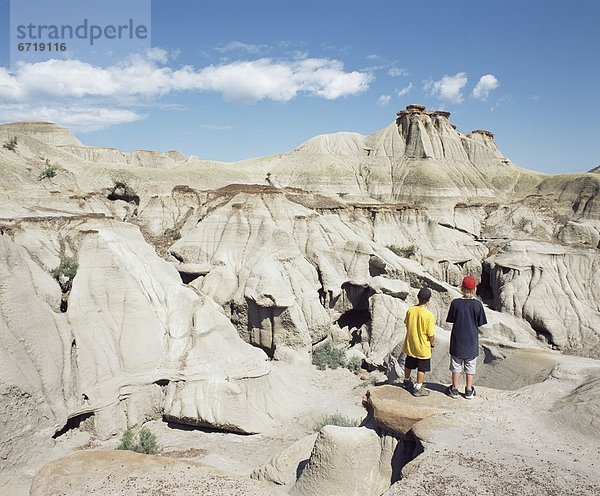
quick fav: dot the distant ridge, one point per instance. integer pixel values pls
(46, 132)
(420, 156)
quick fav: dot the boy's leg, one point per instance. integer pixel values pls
(470, 367)
(469, 380)
(410, 363)
(455, 379)
(423, 367)
(456, 367)
(407, 383)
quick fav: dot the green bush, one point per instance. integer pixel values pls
(49, 171)
(67, 268)
(11, 144)
(328, 356)
(127, 442)
(146, 442)
(336, 419)
(403, 251)
(354, 365)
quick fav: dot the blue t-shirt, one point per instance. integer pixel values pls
(467, 315)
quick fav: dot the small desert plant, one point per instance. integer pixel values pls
(175, 235)
(371, 381)
(336, 419)
(328, 356)
(403, 251)
(146, 442)
(48, 172)
(354, 365)
(127, 441)
(67, 268)
(11, 144)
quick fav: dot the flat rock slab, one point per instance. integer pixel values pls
(125, 473)
(396, 410)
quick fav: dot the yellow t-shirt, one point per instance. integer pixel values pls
(420, 323)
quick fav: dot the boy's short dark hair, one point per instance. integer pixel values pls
(424, 294)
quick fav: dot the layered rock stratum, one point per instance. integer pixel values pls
(202, 289)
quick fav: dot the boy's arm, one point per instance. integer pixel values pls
(481, 318)
(451, 317)
(431, 331)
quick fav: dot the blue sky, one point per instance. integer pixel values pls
(230, 80)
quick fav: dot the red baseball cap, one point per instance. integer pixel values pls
(469, 282)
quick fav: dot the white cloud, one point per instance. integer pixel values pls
(384, 100)
(77, 118)
(87, 97)
(158, 55)
(216, 127)
(449, 88)
(250, 81)
(9, 86)
(237, 46)
(397, 71)
(298, 54)
(405, 90)
(245, 81)
(486, 84)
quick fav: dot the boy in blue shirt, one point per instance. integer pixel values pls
(467, 315)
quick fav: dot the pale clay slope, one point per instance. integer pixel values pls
(284, 265)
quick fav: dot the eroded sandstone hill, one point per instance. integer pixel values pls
(194, 275)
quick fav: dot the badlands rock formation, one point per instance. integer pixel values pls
(202, 288)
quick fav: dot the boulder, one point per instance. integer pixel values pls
(347, 461)
(285, 467)
(396, 410)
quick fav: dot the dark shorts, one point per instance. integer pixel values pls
(421, 364)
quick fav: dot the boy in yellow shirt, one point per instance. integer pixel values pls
(419, 340)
